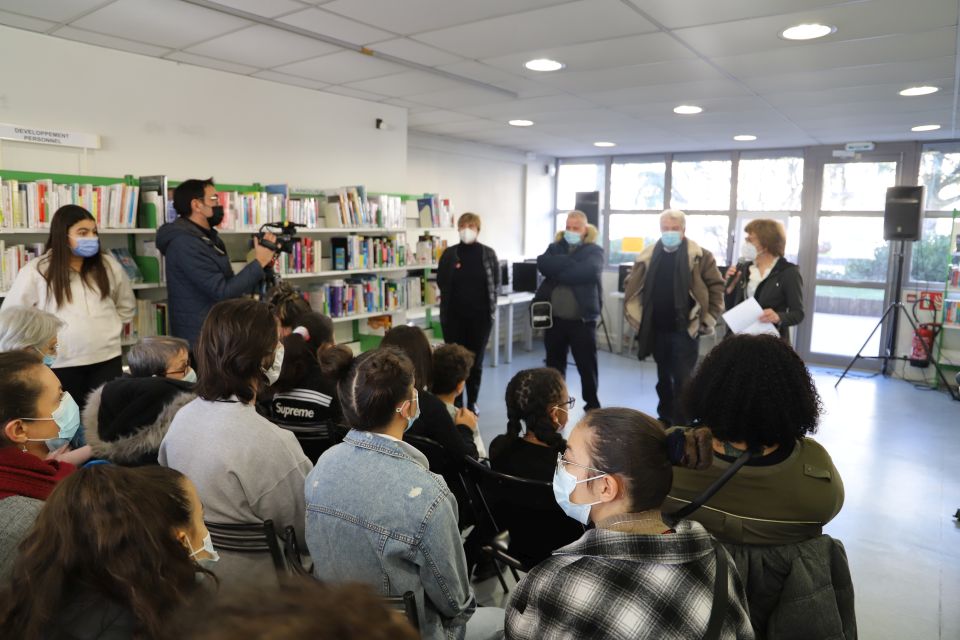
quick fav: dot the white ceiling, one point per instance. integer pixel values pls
(628, 63)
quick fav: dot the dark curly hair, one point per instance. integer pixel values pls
(530, 395)
(451, 366)
(754, 389)
(376, 383)
(289, 304)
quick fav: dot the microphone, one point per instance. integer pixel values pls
(736, 274)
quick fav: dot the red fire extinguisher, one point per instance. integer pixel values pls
(923, 336)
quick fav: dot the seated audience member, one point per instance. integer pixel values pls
(632, 576)
(290, 305)
(377, 515)
(34, 410)
(304, 609)
(246, 469)
(755, 392)
(114, 552)
(30, 329)
(537, 410)
(452, 364)
(454, 434)
(127, 418)
(163, 357)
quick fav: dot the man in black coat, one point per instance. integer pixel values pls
(572, 267)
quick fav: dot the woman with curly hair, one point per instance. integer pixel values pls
(538, 407)
(755, 393)
(113, 553)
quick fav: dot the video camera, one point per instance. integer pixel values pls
(285, 232)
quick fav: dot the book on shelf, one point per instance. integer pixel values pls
(126, 261)
(150, 261)
(13, 258)
(305, 257)
(434, 211)
(249, 210)
(31, 205)
(152, 210)
(387, 211)
(150, 319)
(429, 249)
(951, 312)
(365, 294)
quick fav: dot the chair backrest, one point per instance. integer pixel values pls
(254, 537)
(406, 603)
(440, 460)
(315, 439)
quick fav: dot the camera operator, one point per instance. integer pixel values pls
(197, 265)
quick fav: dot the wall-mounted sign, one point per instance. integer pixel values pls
(49, 136)
(860, 146)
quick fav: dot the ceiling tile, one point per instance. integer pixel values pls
(460, 127)
(262, 47)
(508, 109)
(873, 94)
(737, 105)
(335, 26)
(585, 82)
(415, 52)
(463, 97)
(523, 87)
(674, 15)
(79, 35)
(356, 93)
(581, 21)
(284, 78)
(910, 73)
(265, 8)
(342, 67)
(853, 20)
(678, 93)
(167, 23)
(24, 22)
(891, 105)
(407, 84)
(413, 107)
(53, 10)
(211, 63)
(438, 116)
(414, 16)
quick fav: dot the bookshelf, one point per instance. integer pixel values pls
(948, 342)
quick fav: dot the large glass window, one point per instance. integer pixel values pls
(711, 233)
(857, 186)
(637, 186)
(940, 174)
(630, 233)
(931, 254)
(572, 178)
(843, 317)
(852, 248)
(701, 185)
(769, 184)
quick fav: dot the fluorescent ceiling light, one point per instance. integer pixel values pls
(807, 31)
(543, 64)
(520, 123)
(687, 109)
(604, 144)
(919, 91)
(745, 138)
(925, 127)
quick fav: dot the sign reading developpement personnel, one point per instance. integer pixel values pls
(49, 136)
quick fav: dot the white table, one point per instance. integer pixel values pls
(509, 301)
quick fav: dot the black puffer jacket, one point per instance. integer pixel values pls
(579, 269)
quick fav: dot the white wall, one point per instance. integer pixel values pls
(163, 117)
(539, 205)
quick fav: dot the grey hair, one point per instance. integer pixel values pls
(150, 356)
(27, 327)
(675, 214)
(578, 214)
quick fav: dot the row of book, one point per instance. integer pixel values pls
(305, 257)
(954, 277)
(951, 312)
(368, 252)
(247, 211)
(13, 258)
(434, 211)
(150, 319)
(429, 249)
(31, 205)
(372, 294)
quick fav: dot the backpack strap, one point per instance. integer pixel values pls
(720, 598)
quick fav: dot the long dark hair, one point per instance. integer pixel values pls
(235, 340)
(109, 531)
(530, 395)
(413, 342)
(93, 273)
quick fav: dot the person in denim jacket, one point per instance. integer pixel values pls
(376, 514)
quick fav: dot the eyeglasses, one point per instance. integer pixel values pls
(562, 461)
(568, 405)
(177, 372)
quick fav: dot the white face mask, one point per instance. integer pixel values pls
(190, 376)
(564, 484)
(748, 252)
(273, 373)
(213, 555)
(468, 235)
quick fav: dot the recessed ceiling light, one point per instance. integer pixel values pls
(520, 123)
(807, 31)
(745, 138)
(687, 109)
(925, 127)
(543, 64)
(604, 144)
(919, 91)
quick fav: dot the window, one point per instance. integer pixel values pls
(852, 248)
(940, 174)
(711, 233)
(630, 233)
(769, 184)
(637, 186)
(931, 254)
(572, 178)
(857, 186)
(701, 185)
(842, 319)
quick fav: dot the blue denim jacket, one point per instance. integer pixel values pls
(376, 514)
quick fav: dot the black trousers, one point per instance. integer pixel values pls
(80, 381)
(676, 356)
(470, 330)
(580, 338)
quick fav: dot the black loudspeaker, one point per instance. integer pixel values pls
(903, 213)
(525, 276)
(624, 273)
(589, 203)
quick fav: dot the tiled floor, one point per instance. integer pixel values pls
(898, 450)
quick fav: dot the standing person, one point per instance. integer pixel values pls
(674, 295)
(572, 266)
(87, 289)
(468, 276)
(765, 275)
(198, 268)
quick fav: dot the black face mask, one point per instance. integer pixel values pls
(217, 216)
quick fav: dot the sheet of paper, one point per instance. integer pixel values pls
(743, 318)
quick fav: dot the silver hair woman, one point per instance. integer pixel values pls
(162, 356)
(28, 328)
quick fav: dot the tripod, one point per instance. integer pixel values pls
(893, 311)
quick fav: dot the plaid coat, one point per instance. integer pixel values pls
(615, 585)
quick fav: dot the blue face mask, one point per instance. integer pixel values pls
(572, 238)
(414, 417)
(564, 484)
(48, 360)
(671, 239)
(67, 417)
(190, 376)
(87, 247)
